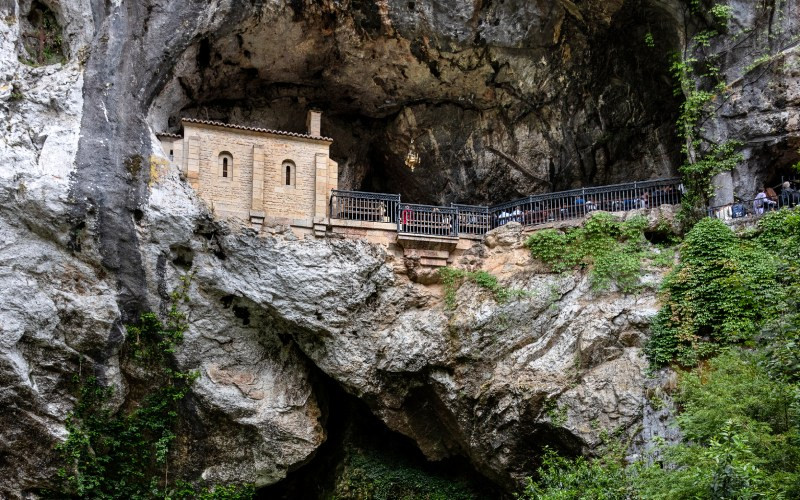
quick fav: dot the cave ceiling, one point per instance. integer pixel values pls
(502, 98)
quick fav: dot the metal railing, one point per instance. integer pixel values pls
(576, 203)
(428, 220)
(370, 207)
(477, 220)
(472, 219)
(755, 208)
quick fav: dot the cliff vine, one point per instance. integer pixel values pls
(125, 453)
(735, 297)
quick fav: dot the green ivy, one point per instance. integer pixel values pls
(740, 423)
(453, 278)
(125, 453)
(613, 250)
(722, 13)
(700, 81)
(560, 478)
(373, 476)
(698, 175)
(726, 288)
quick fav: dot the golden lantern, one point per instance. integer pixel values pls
(412, 158)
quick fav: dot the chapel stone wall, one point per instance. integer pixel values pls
(254, 183)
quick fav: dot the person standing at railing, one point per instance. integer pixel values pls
(405, 217)
(644, 200)
(772, 195)
(670, 197)
(764, 201)
(502, 218)
(447, 223)
(789, 197)
(580, 206)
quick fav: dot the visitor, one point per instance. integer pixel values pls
(763, 201)
(772, 195)
(738, 208)
(405, 216)
(644, 200)
(789, 197)
(580, 205)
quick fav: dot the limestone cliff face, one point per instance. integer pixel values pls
(504, 98)
(492, 382)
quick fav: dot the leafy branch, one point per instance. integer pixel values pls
(125, 453)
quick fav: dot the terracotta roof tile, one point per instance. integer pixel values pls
(256, 129)
(167, 134)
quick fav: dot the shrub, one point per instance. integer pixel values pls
(548, 245)
(741, 429)
(717, 295)
(126, 453)
(565, 479)
(372, 475)
(611, 249)
(453, 278)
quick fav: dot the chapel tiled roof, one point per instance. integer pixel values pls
(167, 134)
(256, 129)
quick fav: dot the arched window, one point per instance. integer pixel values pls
(225, 165)
(289, 172)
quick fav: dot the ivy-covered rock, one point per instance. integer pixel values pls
(719, 294)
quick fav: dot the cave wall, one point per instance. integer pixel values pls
(503, 99)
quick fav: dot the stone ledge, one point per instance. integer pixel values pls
(385, 226)
(418, 241)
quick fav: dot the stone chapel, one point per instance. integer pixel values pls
(255, 174)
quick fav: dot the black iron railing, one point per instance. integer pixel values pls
(428, 220)
(472, 219)
(755, 208)
(576, 203)
(477, 220)
(370, 207)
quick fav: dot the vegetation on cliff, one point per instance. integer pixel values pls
(737, 298)
(612, 250)
(376, 476)
(125, 452)
(719, 294)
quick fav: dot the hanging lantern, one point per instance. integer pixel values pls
(412, 158)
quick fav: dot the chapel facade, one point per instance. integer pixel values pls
(256, 174)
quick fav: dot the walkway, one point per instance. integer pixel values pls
(470, 220)
(748, 210)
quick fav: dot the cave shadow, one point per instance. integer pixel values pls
(353, 429)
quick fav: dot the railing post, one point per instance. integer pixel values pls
(399, 214)
(583, 197)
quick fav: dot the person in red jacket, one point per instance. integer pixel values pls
(405, 216)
